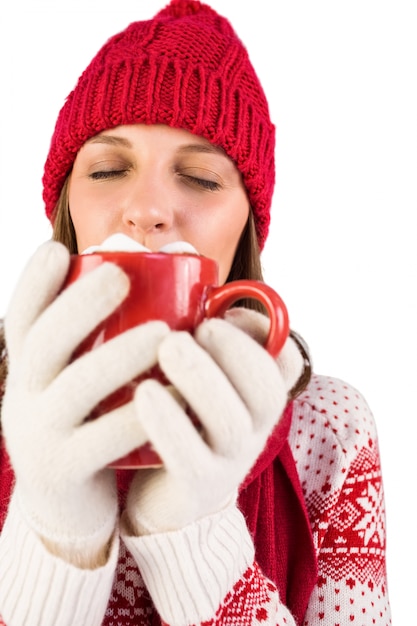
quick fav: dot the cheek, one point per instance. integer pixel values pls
(79, 216)
(85, 214)
(77, 200)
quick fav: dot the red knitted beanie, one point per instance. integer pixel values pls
(185, 68)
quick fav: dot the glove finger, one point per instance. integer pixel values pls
(68, 320)
(36, 289)
(92, 377)
(251, 370)
(207, 390)
(169, 429)
(108, 437)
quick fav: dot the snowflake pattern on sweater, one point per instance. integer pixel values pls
(334, 442)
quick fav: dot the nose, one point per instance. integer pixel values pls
(147, 212)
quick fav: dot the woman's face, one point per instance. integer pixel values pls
(158, 185)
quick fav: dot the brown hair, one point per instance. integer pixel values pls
(246, 264)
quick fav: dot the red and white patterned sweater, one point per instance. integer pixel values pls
(216, 580)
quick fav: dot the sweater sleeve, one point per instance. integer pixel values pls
(206, 574)
(335, 444)
(39, 588)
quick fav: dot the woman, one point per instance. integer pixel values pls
(275, 514)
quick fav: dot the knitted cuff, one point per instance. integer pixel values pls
(189, 572)
(39, 588)
(80, 550)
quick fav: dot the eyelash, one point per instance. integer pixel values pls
(106, 174)
(204, 183)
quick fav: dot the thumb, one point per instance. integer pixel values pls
(290, 360)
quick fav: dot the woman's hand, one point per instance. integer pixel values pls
(62, 489)
(238, 393)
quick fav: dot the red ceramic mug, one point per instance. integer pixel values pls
(180, 289)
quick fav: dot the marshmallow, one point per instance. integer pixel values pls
(122, 243)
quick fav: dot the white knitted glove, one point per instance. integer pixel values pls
(62, 489)
(237, 392)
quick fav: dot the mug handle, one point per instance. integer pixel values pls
(221, 298)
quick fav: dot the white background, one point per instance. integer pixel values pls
(341, 80)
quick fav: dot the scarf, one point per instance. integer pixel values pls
(272, 502)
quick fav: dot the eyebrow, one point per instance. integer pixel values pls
(111, 140)
(202, 147)
(116, 140)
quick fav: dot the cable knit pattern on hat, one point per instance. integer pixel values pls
(186, 68)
